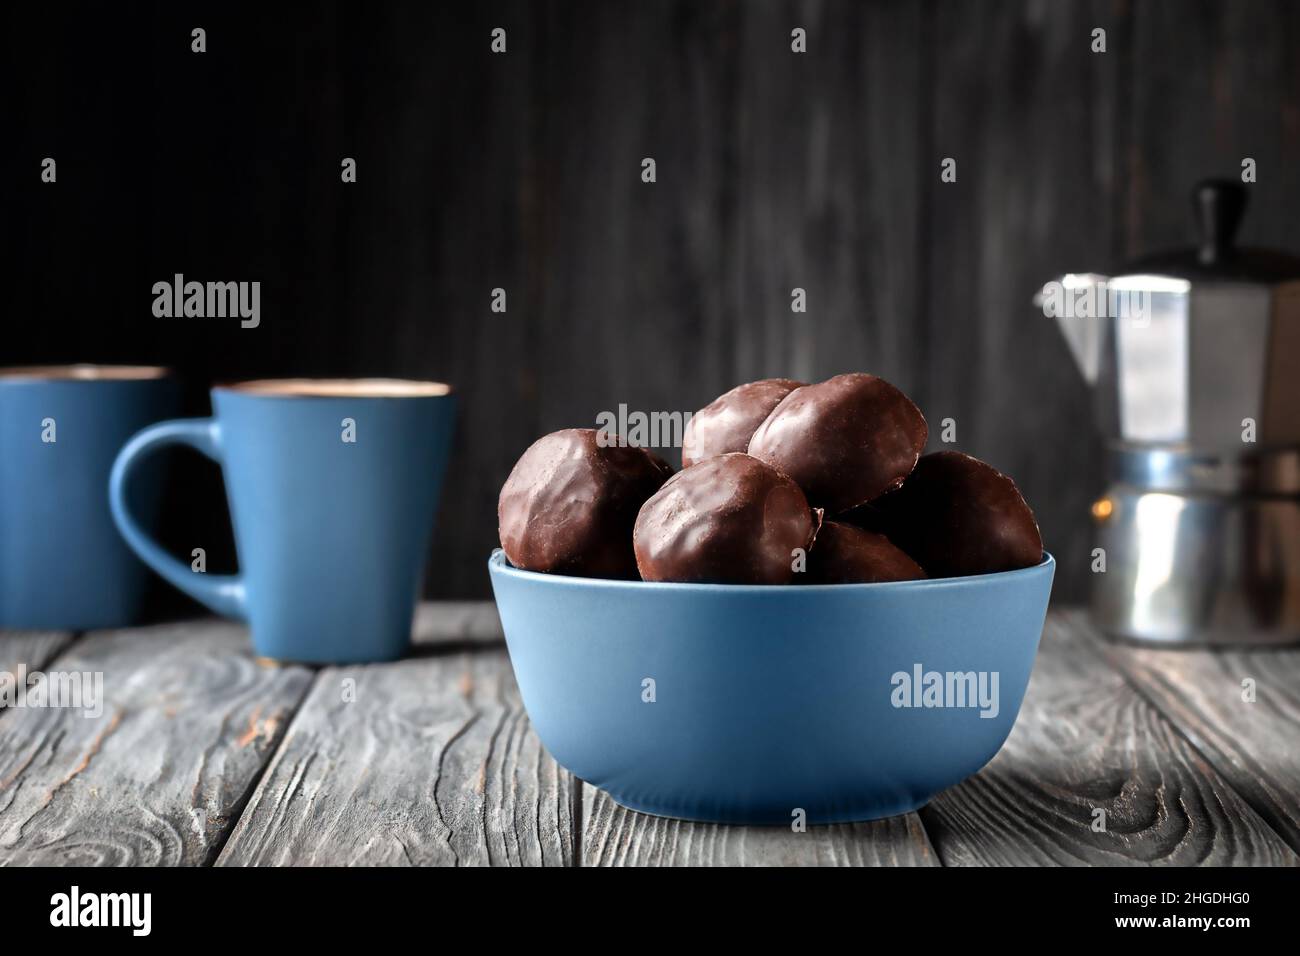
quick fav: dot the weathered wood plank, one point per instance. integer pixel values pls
(432, 761)
(1027, 111)
(1213, 84)
(456, 624)
(1086, 740)
(828, 194)
(474, 235)
(1255, 744)
(30, 649)
(615, 836)
(187, 723)
(635, 306)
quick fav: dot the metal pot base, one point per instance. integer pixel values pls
(1197, 569)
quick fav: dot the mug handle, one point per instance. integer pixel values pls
(223, 593)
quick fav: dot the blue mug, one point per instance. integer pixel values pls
(62, 563)
(332, 486)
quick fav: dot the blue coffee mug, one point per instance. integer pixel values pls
(332, 487)
(62, 563)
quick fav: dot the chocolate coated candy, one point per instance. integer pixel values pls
(845, 441)
(726, 424)
(725, 520)
(569, 504)
(843, 554)
(955, 515)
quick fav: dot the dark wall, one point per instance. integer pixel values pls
(522, 171)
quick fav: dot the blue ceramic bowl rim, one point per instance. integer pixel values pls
(497, 564)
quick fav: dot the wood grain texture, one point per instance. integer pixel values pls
(615, 836)
(826, 193)
(635, 306)
(158, 778)
(454, 131)
(442, 624)
(1086, 740)
(1255, 745)
(432, 762)
(1028, 113)
(1212, 84)
(31, 649)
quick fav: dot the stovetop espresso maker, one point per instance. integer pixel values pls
(1194, 357)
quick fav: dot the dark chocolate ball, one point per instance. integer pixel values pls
(955, 515)
(843, 554)
(570, 503)
(725, 520)
(728, 422)
(845, 441)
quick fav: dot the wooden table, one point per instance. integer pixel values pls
(202, 756)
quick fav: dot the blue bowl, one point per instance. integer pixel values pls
(766, 705)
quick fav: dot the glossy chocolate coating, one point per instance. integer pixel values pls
(569, 504)
(725, 520)
(955, 515)
(843, 554)
(728, 422)
(845, 441)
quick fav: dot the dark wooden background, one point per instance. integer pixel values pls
(522, 171)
